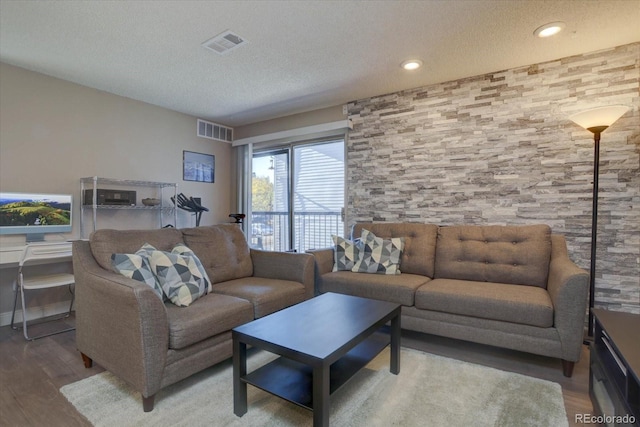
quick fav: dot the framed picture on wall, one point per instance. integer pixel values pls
(198, 166)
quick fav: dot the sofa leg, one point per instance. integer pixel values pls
(147, 403)
(567, 368)
(86, 360)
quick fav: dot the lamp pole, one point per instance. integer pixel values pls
(596, 120)
(597, 130)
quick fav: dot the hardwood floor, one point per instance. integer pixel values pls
(31, 373)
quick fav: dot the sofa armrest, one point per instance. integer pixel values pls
(568, 287)
(324, 260)
(120, 323)
(285, 266)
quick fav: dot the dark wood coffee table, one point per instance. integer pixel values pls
(322, 342)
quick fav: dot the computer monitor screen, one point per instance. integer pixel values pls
(35, 214)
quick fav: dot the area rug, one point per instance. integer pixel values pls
(429, 391)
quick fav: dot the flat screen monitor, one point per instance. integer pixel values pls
(35, 214)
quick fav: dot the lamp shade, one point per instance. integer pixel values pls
(602, 116)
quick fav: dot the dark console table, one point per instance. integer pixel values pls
(614, 385)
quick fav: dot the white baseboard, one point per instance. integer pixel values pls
(34, 313)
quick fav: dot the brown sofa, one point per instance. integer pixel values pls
(507, 286)
(125, 327)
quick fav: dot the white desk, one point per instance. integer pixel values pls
(54, 257)
(10, 255)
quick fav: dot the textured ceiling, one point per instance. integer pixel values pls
(300, 55)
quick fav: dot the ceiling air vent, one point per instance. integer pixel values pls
(224, 43)
(214, 131)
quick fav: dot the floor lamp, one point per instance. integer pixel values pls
(596, 121)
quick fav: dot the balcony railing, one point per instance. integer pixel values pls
(312, 230)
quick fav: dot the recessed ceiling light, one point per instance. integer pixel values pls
(411, 64)
(550, 29)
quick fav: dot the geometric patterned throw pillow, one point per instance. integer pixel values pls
(179, 276)
(145, 250)
(186, 251)
(346, 253)
(379, 255)
(135, 266)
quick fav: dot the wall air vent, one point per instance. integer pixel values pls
(214, 131)
(224, 42)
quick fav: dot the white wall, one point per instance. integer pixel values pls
(53, 132)
(309, 118)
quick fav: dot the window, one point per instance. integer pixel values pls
(297, 196)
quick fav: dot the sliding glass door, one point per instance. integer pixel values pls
(270, 213)
(318, 196)
(297, 196)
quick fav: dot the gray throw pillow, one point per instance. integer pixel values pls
(346, 253)
(378, 255)
(136, 266)
(181, 275)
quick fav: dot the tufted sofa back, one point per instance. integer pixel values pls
(106, 242)
(418, 256)
(517, 255)
(222, 249)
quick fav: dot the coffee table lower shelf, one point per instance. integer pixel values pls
(292, 380)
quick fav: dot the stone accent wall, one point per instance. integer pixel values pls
(499, 149)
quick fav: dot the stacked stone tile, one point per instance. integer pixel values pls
(500, 149)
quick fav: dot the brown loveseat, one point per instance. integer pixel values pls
(125, 327)
(507, 286)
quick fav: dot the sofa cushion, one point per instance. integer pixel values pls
(398, 288)
(222, 249)
(419, 253)
(266, 295)
(517, 255)
(106, 242)
(346, 253)
(206, 317)
(528, 305)
(378, 255)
